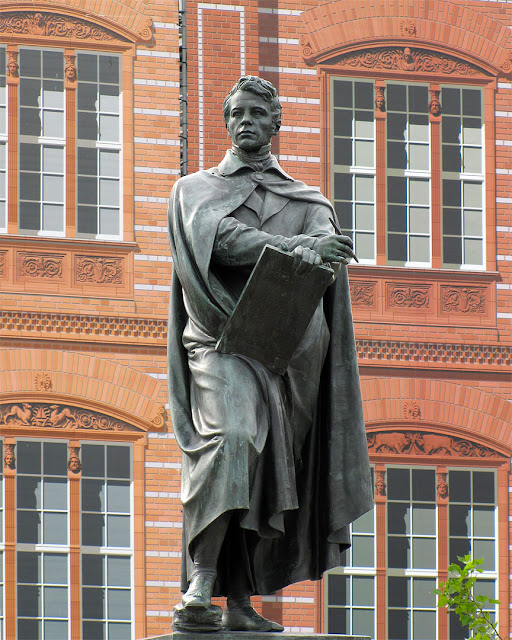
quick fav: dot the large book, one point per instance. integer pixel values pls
(274, 310)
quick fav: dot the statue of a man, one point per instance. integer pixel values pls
(275, 467)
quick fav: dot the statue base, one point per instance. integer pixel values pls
(191, 621)
(253, 635)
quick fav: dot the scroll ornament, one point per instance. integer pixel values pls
(424, 443)
(52, 24)
(57, 416)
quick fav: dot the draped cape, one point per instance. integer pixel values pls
(333, 480)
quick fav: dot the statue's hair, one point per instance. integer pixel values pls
(260, 87)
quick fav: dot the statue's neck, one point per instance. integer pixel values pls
(258, 161)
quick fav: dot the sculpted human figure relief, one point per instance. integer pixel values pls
(275, 467)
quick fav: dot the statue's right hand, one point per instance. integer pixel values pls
(335, 248)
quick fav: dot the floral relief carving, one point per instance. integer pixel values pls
(99, 270)
(9, 456)
(361, 294)
(13, 68)
(380, 483)
(2, 262)
(42, 382)
(74, 463)
(34, 265)
(442, 485)
(407, 59)
(51, 24)
(411, 411)
(57, 416)
(423, 443)
(463, 299)
(408, 297)
(407, 28)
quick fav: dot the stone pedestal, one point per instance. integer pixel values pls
(250, 635)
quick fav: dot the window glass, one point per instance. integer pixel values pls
(408, 175)
(463, 179)
(99, 131)
(353, 163)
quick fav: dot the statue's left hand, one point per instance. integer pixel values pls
(304, 260)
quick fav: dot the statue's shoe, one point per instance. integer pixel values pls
(199, 593)
(246, 619)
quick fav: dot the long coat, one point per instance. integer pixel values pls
(299, 473)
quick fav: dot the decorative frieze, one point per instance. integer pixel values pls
(98, 270)
(425, 443)
(40, 23)
(406, 59)
(407, 296)
(362, 294)
(463, 299)
(58, 416)
(37, 266)
(2, 263)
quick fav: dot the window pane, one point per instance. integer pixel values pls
(53, 188)
(53, 217)
(55, 568)
(419, 192)
(419, 159)
(342, 151)
(398, 624)
(87, 220)
(118, 570)
(30, 93)
(118, 531)
(93, 460)
(451, 158)
(363, 124)
(423, 553)
(419, 220)
(118, 631)
(419, 249)
(93, 631)
(362, 591)
(363, 94)
(28, 492)
(87, 190)
(424, 625)
(422, 592)
(452, 251)
(398, 552)
(424, 519)
(87, 126)
(53, 95)
(93, 495)
(30, 121)
(118, 462)
(338, 586)
(109, 69)
(29, 527)
(471, 102)
(109, 128)
(398, 517)
(93, 529)
(396, 126)
(398, 592)
(109, 192)
(53, 159)
(342, 122)
(109, 163)
(365, 245)
(87, 96)
(92, 569)
(473, 223)
(460, 520)
(397, 247)
(53, 124)
(397, 157)
(56, 629)
(87, 67)
(55, 527)
(55, 602)
(396, 97)
(28, 567)
(29, 600)
(118, 604)
(364, 153)
(363, 622)
(472, 160)
(118, 497)
(362, 551)
(364, 524)
(342, 93)
(451, 101)
(93, 603)
(451, 129)
(483, 487)
(30, 216)
(473, 252)
(338, 620)
(55, 492)
(30, 158)
(472, 194)
(29, 629)
(483, 521)
(485, 549)
(459, 547)
(30, 188)
(109, 99)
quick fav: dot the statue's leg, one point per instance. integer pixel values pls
(239, 614)
(205, 555)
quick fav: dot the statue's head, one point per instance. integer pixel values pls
(252, 95)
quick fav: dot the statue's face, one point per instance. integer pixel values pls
(249, 122)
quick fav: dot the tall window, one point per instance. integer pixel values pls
(42, 524)
(44, 121)
(99, 148)
(42, 543)
(106, 542)
(408, 175)
(463, 178)
(411, 561)
(406, 210)
(353, 163)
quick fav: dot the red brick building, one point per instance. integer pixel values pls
(401, 113)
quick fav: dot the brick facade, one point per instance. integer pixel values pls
(84, 321)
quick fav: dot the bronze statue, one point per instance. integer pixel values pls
(275, 467)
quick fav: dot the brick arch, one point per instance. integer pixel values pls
(126, 18)
(440, 407)
(83, 381)
(451, 27)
